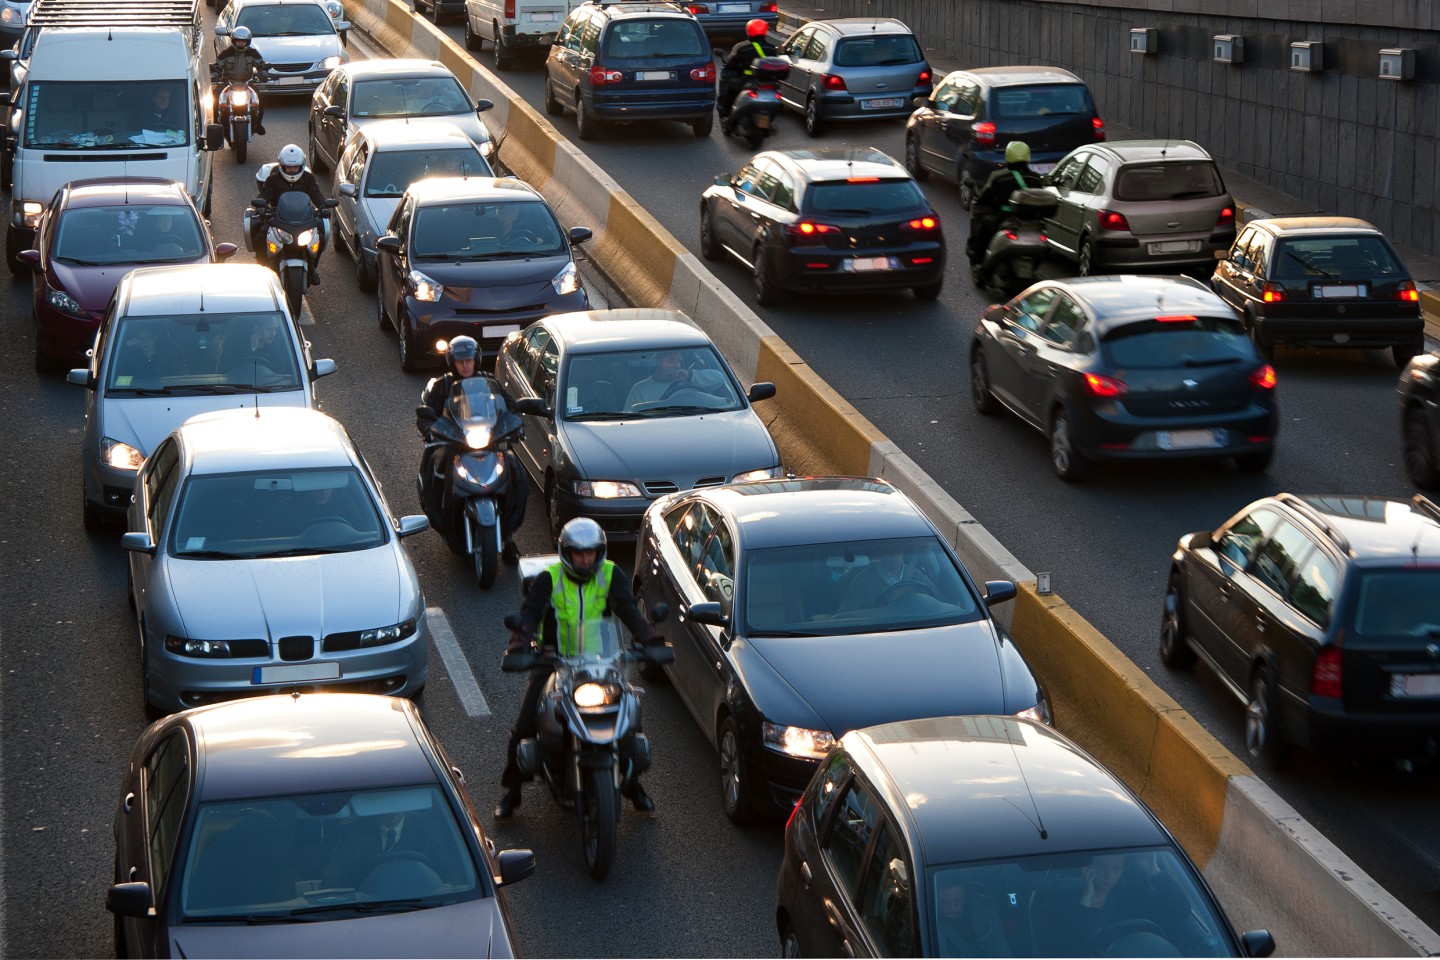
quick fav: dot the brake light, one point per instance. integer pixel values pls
(1328, 678)
(1110, 220)
(1272, 293)
(831, 81)
(862, 179)
(1227, 217)
(509, 9)
(1264, 378)
(706, 73)
(808, 231)
(922, 261)
(600, 75)
(769, 8)
(1099, 126)
(1011, 235)
(1407, 292)
(924, 77)
(984, 132)
(696, 8)
(1104, 387)
(1177, 318)
(921, 224)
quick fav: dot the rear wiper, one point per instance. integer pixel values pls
(1217, 362)
(1187, 194)
(895, 60)
(1310, 266)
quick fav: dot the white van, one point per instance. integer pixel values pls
(181, 14)
(108, 102)
(514, 26)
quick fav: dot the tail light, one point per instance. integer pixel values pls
(706, 73)
(1011, 235)
(1272, 293)
(1110, 220)
(1328, 678)
(921, 225)
(984, 133)
(1263, 378)
(1407, 292)
(1107, 388)
(924, 77)
(1099, 126)
(1176, 318)
(695, 9)
(832, 81)
(807, 231)
(599, 76)
(509, 9)
(769, 8)
(1227, 217)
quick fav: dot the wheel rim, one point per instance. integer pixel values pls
(404, 348)
(1086, 260)
(812, 116)
(707, 237)
(591, 833)
(790, 946)
(1170, 623)
(979, 382)
(730, 769)
(1257, 719)
(967, 193)
(1417, 448)
(1060, 451)
(761, 281)
(912, 161)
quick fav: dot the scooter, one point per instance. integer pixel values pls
(235, 110)
(1019, 249)
(587, 713)
(757, 105)
(295, 235)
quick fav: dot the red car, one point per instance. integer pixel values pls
(91, 235)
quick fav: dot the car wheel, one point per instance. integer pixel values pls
(912, 160)
(381, 317)
(209, 196)
(703, 126)
(789, 943)
(980, 393)
(733, 796)
(152, 712)
(1420, 460)
(552, 510)
(928, 291)
(766, 293)
(408, 351)
(1402, 354)
(1263, 344)
(504, 56)
(709, 244)
(552, 103)
(1262, 732)
(1087, 258)
(1257, 462)
(814, 125)
(586, 126)
(12, 258)
(1068, 462)
(967, 190)
(317, 163)
(1175, 651)
(472, 39)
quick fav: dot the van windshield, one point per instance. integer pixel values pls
(64, 115)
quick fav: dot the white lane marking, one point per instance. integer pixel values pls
(3, 895)
(455, 664)
(307, 318)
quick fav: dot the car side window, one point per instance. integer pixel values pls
(341, 97)
(590, 36)
(562, 37)
(1314, 591)
(849, 838)
(799, 43)
(947, 93)
(1277, 565)
(827, 787)
(887, 898)
(167, 785)
(1237, 544)
(1092, 179)
(770, 183)
(527, 354)
(543, 380)
(782, 192)
(969, 104)
(696, 527)
(1259, 253)
(717, 568)
(160, 484)
(1030, 311)
(1240, 253)
(818, 48)
(1066, 320)
(748, 180)
(1069, 170)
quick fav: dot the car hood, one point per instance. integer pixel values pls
(495, 284)
(143, 422)
(91, 287)
(468, 123)
(307, 49)
(680, 449)
(475, 928)
(286, 596)
(865, 679)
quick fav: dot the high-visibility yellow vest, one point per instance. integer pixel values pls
(574, 602)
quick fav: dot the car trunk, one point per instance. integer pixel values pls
(1181, 366)
(1390, 660)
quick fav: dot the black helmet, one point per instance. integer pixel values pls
(582, 533)
(461, 348)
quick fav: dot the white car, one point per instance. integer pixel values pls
(299, 40)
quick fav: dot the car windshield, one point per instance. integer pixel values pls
(1170, 180)
(1174, 343)
(1137, 902)
(276, 513)
(400, 97)
(882, 50)
(321, 856)
(1396, 604)
(650, 39)
(201, 353)
(857, 586)
(485, 231)
(64, 115)
(1353, 256)
(131, 233)
(649, 384)
(864, 197)
(1041, 100)
(285, 20)
(392, 171)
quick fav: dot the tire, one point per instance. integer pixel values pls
(486, 557)
(912, 161)
(1263, 742)
(586, 126)
(789, 943)
(966, 191)
(1086, 266)
(317, 164)
(702, 127)
(1420, 459)
(473, 40)
(1257, 462)
(152, 712)
(766, 293)
(980, 395)
(407, 351)
(929, 291)
(504, 56)
(12, 257)
(552, 104)
(1175, 650)
(1263, 345)
(240, 139)
(294, 283)
(598, 821)
(552, 511)
(733, 798)
(381, 317)
(209, 196)
(1068, 462)
(814, 123)
(1403, 354)
(709, 244)
(435, 12)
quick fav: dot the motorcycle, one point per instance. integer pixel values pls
(295, 234)
(588, 710)
(1018, 250)
(757, 105)
(236, 109)
(462, 481)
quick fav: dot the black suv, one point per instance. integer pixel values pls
(1319, 613)
(620, 61)
(1419, 398)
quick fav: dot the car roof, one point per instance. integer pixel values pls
(1134, 151)
(1374, 528)
(271, 746)
(987, 787)
(1293, 226)
(450, 189)
(196, 287)
(628, 328)
(1014, 76)
(387, 135)
(853, 26)
(289, 438)
(838, 162)
(1116, 300)
(622, 9)
(103, 192)
(412, 67)
(789, 512)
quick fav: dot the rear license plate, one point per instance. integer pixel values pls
(1174, 246)
(296, 673)
(1041, 168)
(542, 18)
(868, 264)
(1188, 439)
(499, 331)
(1339, 291)
(732, 8)
(1415, 685)
(763, 121)
(653, 75)
(882, 103)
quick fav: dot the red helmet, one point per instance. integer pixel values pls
(757, 28)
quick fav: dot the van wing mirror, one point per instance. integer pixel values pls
(214, 137)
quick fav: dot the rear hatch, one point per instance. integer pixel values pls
(657, 60)
(1052, 118)
(1350, 275)
(1391, 652)
(1172, 197)
(1182, 366)
(873, 214)
(887, 65)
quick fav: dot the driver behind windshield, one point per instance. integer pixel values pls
(884, 571)
(670, 374)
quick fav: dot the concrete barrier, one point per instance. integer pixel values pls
(1270, 868)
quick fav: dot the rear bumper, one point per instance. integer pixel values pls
(691, 106)
(432, 326)
(1322, 725)
(845, 106)
(1134, 253)
(725, 26)
(1102, 436)
(821, 270)
(538, 36)
(1400, 329)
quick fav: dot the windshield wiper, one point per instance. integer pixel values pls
(139, 392)
(374, 906)
(784, 633)
(1304, 262)
(604, 415)
(674, 409)
(254, 919)
(86, 263)
(212, 555)
(300, 552)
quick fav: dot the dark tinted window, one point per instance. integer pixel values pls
(1044, 100)
(832, 776)
(864, 197)
(286, 20)
(878, 51)
(858, 817)
(1278, 563)
(1066, 320)
(392, 171)
(887, 900)
(137, 233)
(1169, 181)
(486, 231)
(1313, 592)
(167, 784)
(1174, 344)
(640, 39)
(1092, 180)
(1397, 603)
(1333, 257)
(1238, 543)
(419, 97)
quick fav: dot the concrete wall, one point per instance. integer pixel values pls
(1343, 140)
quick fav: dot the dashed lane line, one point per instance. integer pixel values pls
(456, 664)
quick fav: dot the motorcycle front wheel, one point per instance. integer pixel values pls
(293, 281)
(598, 821)
(486, 555)
(240, 138)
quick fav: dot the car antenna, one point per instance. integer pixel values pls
(1036, 821)
(255, 383)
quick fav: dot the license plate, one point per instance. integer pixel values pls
(652, 75)
(1415, 685)
(1188, 439)
(1339, 291)
(289, 81)
(542, 18)
(763, 121)
(503, 330)
(883, 103)
(732, 8)
(296, 673)
(867, 264)
(1041, 168)
(1174, 246)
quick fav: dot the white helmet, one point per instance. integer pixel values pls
(292, 162)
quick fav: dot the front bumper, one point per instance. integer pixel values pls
(619, 518)
(304, 82)
(776, 780)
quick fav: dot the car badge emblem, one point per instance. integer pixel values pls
(880, 85)
(1173, 224)
(1191, 384)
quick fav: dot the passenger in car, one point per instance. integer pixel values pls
(966, 922)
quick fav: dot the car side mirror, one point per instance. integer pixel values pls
(79, 377)
(482, 105)
(515, 865)
(659, 613)
(710, 614)
(388, 244)
(10, 54)
(998, 591)
(1257, 943)
(722, 179)
(342, 26)
(1202, 540)
(30, 257)
(763, 390)
(410, 525)
(323, 368)
(332, 111)
(214, 137)
(137, 541)
(532, 406)
(221, 30)
(129, 899)
(224, 251)
(347, 190)
(920, 103)
(580, 234)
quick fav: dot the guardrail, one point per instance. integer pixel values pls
(1270, 868)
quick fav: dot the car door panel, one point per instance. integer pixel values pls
(1261, 617)
(792, 88)
(1212, 588)
(843, 857)
(1020, 341)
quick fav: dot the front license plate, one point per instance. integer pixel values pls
(296, 673)
(867, 264)
(1041, 168)
(653, 75)
(289, 81)
(883, 103)
(1415, 685)
(1174, 246)
(499, 331)
(1339, 291)
(1188, 439)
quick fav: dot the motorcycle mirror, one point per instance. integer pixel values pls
(259, 202)
(920, 102)
(659, 613)
(331, 203)
(716, 52)
(482, 105)
(1222, 254)
(512, 623)
(214, 137)
(516, 662)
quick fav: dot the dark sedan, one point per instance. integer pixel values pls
(825, 220)
(474, 255)
(1419, 401)
(309, 825)
(1127, 368)
(811, 607)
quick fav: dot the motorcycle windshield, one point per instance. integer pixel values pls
(294, 206)
(597, 641)
(475, 406)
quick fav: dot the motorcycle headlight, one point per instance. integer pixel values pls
(281, 236)
(329, 63)
(477, 438)
(25, 212)
(239, 98)
(121, 456)
(606, 489)
(798, 741)
(185, 647)
(65, 303)
(769, 473)
(567, 280)
(1040, 713)
(590, 695)
(425, 289)
(391, 634)
(306, 238)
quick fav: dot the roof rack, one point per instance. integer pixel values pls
(114, 13)
(1301, 506)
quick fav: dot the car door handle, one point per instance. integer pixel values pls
(133, 873)
(129, 802)
(805, 875)
(1260, 624)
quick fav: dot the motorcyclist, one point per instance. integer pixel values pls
(290, 174)
(992, 203)
(239, 62)
(462, 360)
(736, 69)
(583, 580)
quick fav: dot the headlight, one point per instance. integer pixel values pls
(567, 280)
(588, 696)
(121, 456)
(798, 741)
(606, 489)
(25, 212)
(425, 288)
(768, 473)
(329, 63)
(305, 238)
(65, 303)
(477, 438)
(197, 648)
(239, 98)
(1040, 713)
(8, 15)
(383, 635)
(487, 148)
(281, 236)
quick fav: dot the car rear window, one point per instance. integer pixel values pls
(1396, 604)
(884, 50)
(641, 39)
(1174, 343)
(1043, 100)
(1334, 257)
(863, 197)
(1171, 180)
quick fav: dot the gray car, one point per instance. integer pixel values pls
(298, 39)
(263, 558)
(377, 165)
(1140, 205)
(863, 68)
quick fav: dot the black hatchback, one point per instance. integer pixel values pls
(1127, 368)
(825, 220)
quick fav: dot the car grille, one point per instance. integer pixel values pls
(246, 649)
(658, 488)
(290, 67)
(710, 482)
(297, 648)
(536, 308)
